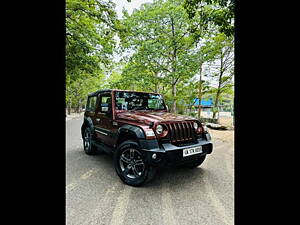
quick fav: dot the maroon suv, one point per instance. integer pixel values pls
(140, 133)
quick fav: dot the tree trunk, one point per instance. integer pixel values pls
(174, 97)
(219, 85)
(174, 58)
(69, 108)
(156, 88)
(156, 82)
(79, 106)
(200, 91)
(216, 103)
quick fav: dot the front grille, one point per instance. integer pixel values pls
(181, 131)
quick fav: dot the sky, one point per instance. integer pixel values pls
(129, 6)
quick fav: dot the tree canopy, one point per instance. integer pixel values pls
(161, 47)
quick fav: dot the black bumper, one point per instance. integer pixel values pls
(169, 154)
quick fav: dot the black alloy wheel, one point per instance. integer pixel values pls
(130, 164)
(88, 146)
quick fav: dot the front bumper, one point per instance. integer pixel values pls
(169, 154)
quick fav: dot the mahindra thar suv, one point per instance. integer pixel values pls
(140, 133)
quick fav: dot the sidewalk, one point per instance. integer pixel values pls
(224, 135)
(226, 121)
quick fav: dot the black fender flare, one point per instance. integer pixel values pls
(131, 129)
(87, 122)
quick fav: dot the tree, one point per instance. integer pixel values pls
(219, 12)
(163, 48)
(206, 53)
(222, 68)
(204, 16)
(158, 36)
(90, 30)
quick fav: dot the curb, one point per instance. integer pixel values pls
(217, 126)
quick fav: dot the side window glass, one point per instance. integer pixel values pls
(121, 104)
(105, 103)
(91, 105)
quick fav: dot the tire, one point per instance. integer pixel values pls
(134, 173)
(88, 146)
(196, 163)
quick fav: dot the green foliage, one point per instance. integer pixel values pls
(219, 12)
(222, 70)
(159, 38)
(90, 28)
(163, 46)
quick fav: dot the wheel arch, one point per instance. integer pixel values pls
(87, 123)
(129, 132)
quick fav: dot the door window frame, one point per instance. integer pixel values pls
(99, 110)
(88, 108)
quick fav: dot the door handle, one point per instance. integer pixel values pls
(97, 120)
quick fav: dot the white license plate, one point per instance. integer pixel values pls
(192, 151)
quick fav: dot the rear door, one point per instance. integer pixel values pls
(103, 119)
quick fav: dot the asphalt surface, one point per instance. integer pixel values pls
(96, 195)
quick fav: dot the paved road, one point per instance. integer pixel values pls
(176, 196)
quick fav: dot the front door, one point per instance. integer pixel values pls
(91, 108)
(103, 119)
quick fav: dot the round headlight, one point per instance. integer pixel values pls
(159, 129)
(195, 125)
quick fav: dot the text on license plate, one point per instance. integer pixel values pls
(192, 151)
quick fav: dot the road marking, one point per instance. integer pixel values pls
(167, 207)
(88, 174)
(81, 157)
(98, 216)
(71, 186)
(217, 203)
(84, 176)
(121, 206)
(229, 161)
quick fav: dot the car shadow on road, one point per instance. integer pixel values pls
(175, 177)
(105, 159)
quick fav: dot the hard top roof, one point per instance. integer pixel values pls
(109, 90)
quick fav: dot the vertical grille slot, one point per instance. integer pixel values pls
(171, 134)
(188, 129)
(181, 131)
(176, 132)
(185, 137)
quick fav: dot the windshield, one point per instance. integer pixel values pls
(138, 101)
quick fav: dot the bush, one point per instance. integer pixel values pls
(193, 114)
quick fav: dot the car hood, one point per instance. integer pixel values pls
(147, 117)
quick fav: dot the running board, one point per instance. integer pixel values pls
(104, 147)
